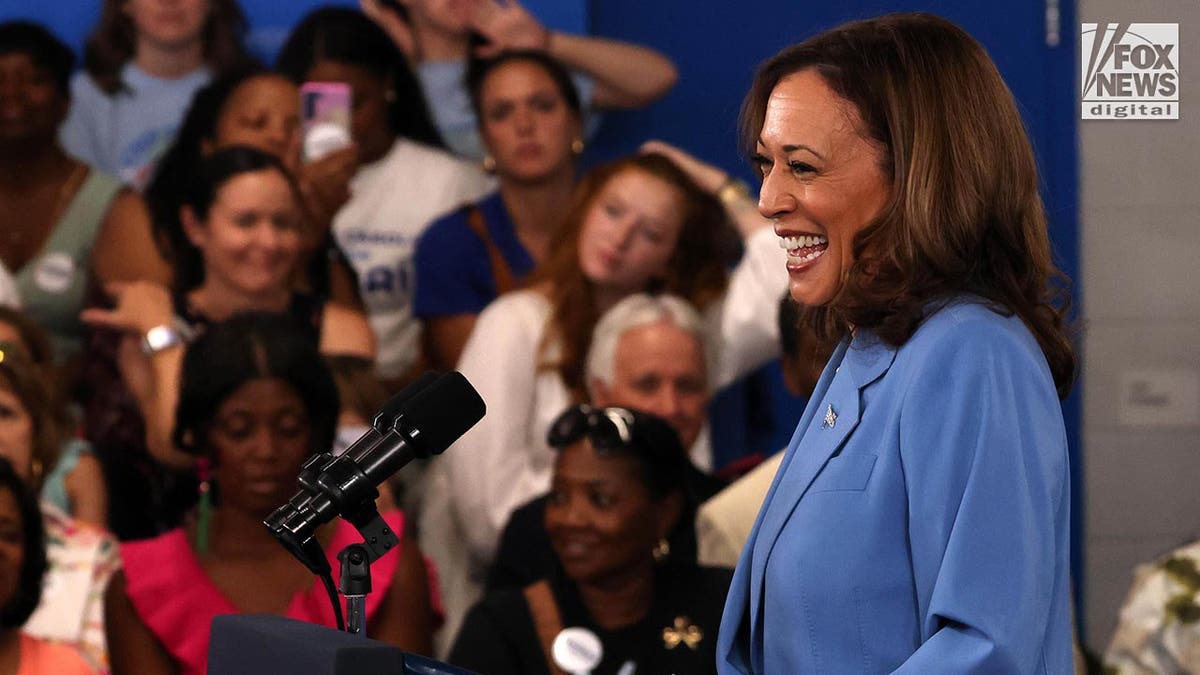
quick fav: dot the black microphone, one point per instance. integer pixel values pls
(420, 422)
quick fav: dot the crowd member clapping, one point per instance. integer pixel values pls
(241, 216)
(647, 353)
(23, 568)
(440, 38)
(403, 181)
(618, 486)
(531, 124)
(51, 205)
(256, 401)
(81, 557)
(143, 63)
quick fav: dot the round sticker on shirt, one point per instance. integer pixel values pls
(54, 272)
(577, 650)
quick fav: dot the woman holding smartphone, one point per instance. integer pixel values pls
(404, 179)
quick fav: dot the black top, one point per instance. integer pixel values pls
(498, 636)
(526, 555)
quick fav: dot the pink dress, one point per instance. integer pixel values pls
(177, 601)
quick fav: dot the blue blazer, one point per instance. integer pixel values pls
(919, 522)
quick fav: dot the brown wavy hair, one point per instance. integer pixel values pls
(114, 42)
(21, 376)
(964, 214)
(696, 270)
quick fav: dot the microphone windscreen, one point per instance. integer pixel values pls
(441, 413)
(387, 414)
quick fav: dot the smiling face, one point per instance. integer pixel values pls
(264, 113)
(31, 104)
(823, 182)
(259, 438)
(601, 519)
(251, 238)
(629, 233)
(526, 123)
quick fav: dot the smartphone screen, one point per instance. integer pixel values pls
(325, 118)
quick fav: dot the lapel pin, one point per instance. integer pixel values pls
(830, 418)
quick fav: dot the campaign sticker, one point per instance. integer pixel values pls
(54, 272)
(577, 650)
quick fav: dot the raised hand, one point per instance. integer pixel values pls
(140, 306)
(707, 176)
(507, 25)
(325, 188)
(395, 26)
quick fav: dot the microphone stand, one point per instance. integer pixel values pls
(355, 579)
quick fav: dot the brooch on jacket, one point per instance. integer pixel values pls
(830, 418)
(683, 631)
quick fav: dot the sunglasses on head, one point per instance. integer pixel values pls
(607, 428)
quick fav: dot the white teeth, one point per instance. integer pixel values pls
(793, 243)
(806, 258)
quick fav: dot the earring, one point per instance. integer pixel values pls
(204, 511)
(577, 146)
(36, 471)
(662, 550)
(390, 95)
(489, 164)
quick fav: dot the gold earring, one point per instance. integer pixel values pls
(489, 164)
(662, 550)
(577, 146)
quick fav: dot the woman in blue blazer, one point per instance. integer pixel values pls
(919, 522)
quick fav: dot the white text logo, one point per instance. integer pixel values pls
(1130, 71)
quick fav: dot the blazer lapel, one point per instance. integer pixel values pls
(740, 599)
(824, 428)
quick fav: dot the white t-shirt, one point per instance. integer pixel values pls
(393, 201)
(125, 134)
(504, 460)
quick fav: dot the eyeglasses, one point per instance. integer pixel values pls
(607, 428)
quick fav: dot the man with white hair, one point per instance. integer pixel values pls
(647, 353)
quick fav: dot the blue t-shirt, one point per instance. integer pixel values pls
(453, 268)
(124, 134)
(450, 105)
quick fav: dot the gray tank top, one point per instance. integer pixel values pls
(53, 283)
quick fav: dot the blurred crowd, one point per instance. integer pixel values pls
(197, 297)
